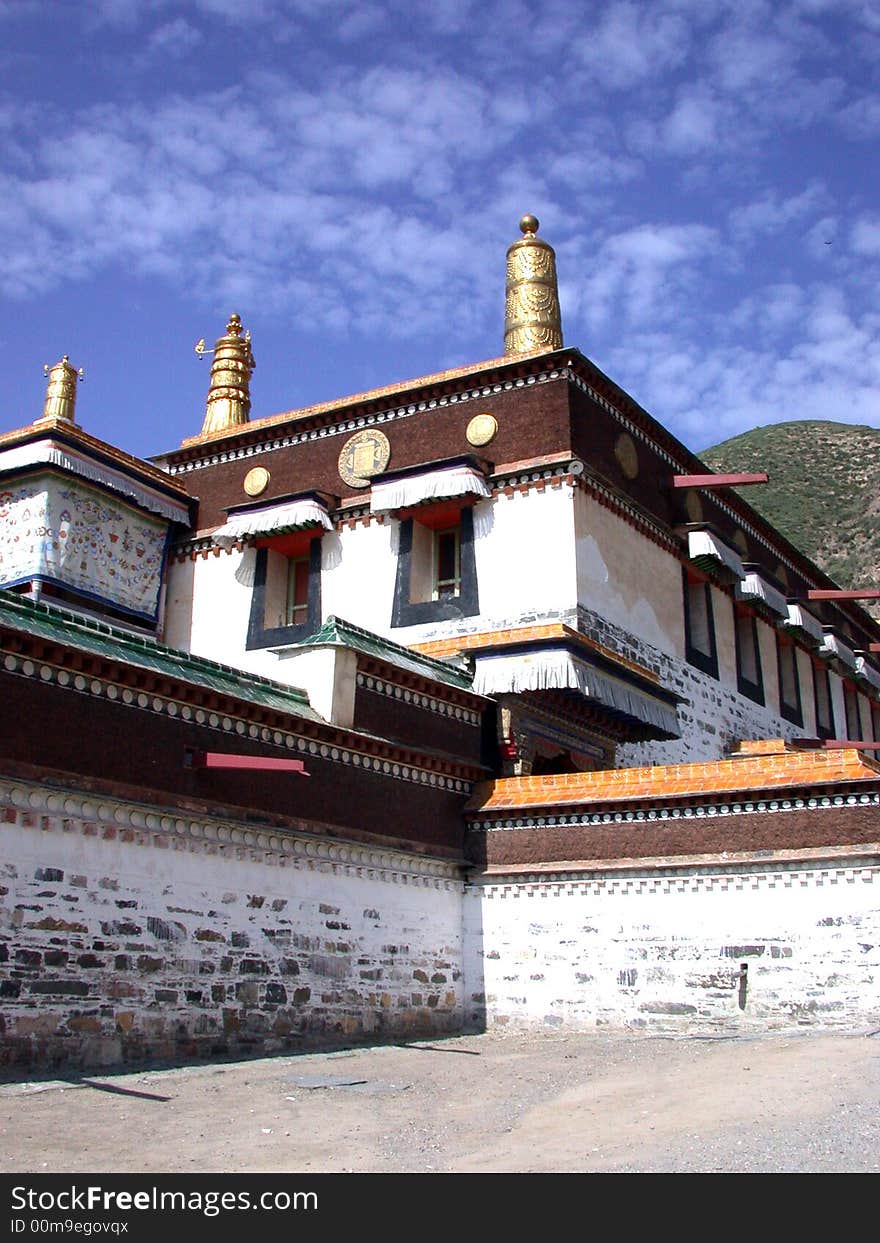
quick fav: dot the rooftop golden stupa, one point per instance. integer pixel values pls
(229, 396)
(60, 400)
(531, 319)
(532, 325)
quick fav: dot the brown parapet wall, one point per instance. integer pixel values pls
(756, 833)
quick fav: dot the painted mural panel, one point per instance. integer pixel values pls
(61, 531)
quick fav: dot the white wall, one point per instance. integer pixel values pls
(664, 951)
(626, 577)
(129, 929)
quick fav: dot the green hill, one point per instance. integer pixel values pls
(823, 494)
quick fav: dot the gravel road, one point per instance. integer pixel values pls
(792, 1102)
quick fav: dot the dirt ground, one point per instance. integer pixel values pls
(500, 1102)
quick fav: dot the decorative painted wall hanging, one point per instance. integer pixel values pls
(63, 532)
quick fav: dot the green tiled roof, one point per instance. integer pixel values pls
(344, 634)
(100, 639)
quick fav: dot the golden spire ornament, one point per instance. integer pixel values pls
(229, 396)
(60, 400)
(531, 319)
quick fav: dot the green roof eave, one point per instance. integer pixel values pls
(103, 640)
(337, 632)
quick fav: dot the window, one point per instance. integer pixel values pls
(851, 704)
(789, 682)
(699, 625)
(447, 563)
(436, 567)
(749, 677)
(824, 715)
(286, 600)
(297, 591)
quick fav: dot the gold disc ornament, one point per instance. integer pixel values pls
(482, 429)
(363, 455)
(256, 481)
(627, 455)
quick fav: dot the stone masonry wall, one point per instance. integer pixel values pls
(699, 949)
(712, 715)
(127, 934)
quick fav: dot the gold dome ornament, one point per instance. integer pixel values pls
(60, 400)
(532, 320)
(229, 397)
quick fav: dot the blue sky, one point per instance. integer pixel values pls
(347, 178)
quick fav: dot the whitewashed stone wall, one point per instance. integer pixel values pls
(126, 932)
(627, 578)
(667, 950)
(541, 556)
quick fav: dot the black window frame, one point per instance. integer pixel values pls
(705, 662)
(792, 712)
(744, 617)
(850, 708)
(820, 674)
(405, 612)
(259, 634)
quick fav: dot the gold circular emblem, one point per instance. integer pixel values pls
(627, 455)
(256, 481)
(482, 429)
(363, 455)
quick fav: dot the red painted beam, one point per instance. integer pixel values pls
(874, 647)
(718, 481)
(833, 744)
(839, 594)
(258, 763)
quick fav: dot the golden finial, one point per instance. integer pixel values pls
(229, 397)
(531, 319)
(60, 400)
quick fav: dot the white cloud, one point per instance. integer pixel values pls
(370, 185)
(710, 391)
(693, 124)
(773, 311)
(175, 38)
(861, 118)
(642, 275)
(773, 213)
(865, 238)
(632, 42)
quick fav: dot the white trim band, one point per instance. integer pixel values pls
(46, 453)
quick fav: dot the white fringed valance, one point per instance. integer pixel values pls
(802, 619)
(704, 545)
(836, 649)
(273, 519)
(754, 587)
(46, 452)
(554, 669)
(434, 485)
(867, 672)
